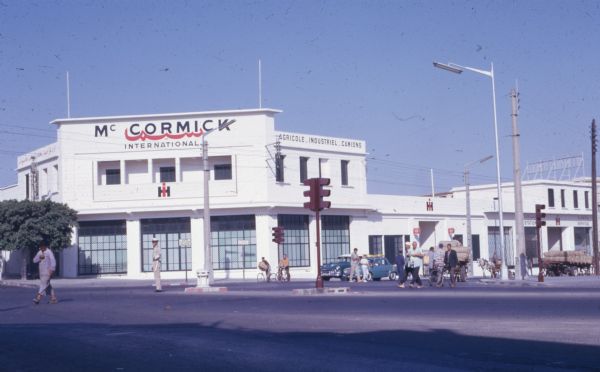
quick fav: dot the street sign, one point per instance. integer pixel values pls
(451, 230)
(416, 231)
(185, 243)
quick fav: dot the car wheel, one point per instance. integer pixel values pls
(392, 276)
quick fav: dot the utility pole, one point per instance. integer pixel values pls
(595, 201)
(206, 217)
(35, 184)
(521, 259)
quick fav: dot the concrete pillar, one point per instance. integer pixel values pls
(264, 246)
(197, 236)
(134, 248)
(69, 259)
(177, 169)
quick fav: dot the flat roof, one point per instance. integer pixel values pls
(145, 116)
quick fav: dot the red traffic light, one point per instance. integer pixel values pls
(316, 194)
(539, 216)
(278, 235)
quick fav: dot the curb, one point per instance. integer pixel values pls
(203, 290)
(315, 291)
(19, 284)
(512, 283)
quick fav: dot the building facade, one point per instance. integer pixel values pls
(132, 178)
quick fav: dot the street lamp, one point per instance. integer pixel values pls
(457, 69)
(468, 196)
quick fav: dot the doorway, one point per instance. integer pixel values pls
(555, 242)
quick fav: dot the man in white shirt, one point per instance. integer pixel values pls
(416, 262)
(47, 266)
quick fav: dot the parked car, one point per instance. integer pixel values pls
(335, 269)
(379, 267)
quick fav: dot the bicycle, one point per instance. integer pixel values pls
(261, 277)
(283, 275)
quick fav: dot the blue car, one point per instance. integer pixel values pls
(379, 267)
(335, 269)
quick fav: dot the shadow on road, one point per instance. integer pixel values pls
(187, 346)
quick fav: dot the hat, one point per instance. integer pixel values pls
(155, 239)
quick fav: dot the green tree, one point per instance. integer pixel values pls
(24, 224)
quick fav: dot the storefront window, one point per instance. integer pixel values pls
(233, 242)
(296, 239)
(174, 240)
(102, 247)
(582, 239)
(335, 237)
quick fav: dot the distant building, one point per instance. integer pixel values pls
(132, 178)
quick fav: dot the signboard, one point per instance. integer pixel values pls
(451, 231)
(416, 231)
(243, 242)
(185, 243)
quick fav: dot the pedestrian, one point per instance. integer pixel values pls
(400, 263)
(284, 265)
(416, 262)
(354, 262)
(156, 264)
(47, 266)
(429, 258)
(407, 267)
(364, 266)
(451, 263)
(439, 265)
(265, 266)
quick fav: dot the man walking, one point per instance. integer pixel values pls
(156, 264)
(451, 263)
(400, 263)
(47, 266)
(354, 261)
(415, 263)
(438, 259)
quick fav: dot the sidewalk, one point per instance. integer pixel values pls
(588, 281)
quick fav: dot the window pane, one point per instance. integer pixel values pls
(222, 171)
(167, 174)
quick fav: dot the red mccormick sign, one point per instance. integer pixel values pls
(182, 133)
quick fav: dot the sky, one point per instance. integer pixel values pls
(352, 69)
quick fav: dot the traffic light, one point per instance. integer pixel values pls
(539, 216)
(278, 235)
(316, 192)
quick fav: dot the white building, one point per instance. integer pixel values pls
(131, 178)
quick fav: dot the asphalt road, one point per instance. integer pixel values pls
(264, 327)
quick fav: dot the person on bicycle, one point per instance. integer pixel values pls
(264, 265)
(284, 265)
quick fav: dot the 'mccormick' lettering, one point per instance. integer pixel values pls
(166, 129)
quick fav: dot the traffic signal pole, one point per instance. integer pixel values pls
(539, 222)
(316, 203)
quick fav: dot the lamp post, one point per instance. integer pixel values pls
(468, 197)
(457, 69)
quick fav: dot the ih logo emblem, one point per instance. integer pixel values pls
(164, 191)
(429, 205)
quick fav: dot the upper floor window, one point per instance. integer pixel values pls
(562, 198)
(279, 168)
(167, 174)
(303, 168)
(113, 176)
(586, 199)
(345, 172)
(551, 198)
(575, 199)
(222, 171)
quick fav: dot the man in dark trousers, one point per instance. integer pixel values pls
(400, 263)
(451, 263)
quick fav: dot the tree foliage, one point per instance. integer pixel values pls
(25, 223)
